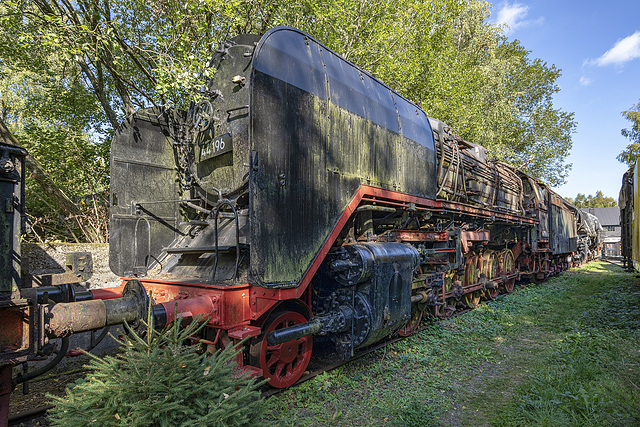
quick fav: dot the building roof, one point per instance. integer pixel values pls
(606, 216)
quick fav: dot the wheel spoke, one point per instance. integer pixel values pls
(275, 358)
(276, 347)
(279, 369)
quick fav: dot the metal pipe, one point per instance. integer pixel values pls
(294, 332)
(26, 376)
(68, 318)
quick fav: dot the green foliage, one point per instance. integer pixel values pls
(630, 154)
(447, 57)
(59, 121)
(157, 380)
(597, 201)
(100, 61)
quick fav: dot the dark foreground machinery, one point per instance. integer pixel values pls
(303, 198)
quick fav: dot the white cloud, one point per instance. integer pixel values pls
(585, 81)
(513, 17)
(623, 51)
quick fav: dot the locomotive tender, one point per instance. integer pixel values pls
(300, 198)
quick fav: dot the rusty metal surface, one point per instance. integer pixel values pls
(68, 318)
(466, 174)
(64, 319)
(417, 236)
(15, 333)
(563, 233)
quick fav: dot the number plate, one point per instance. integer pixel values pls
(216, 146)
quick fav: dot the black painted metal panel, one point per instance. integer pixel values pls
(563, 234)
(320, 128)
(143, 171)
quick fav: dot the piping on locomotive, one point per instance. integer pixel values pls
(304, 198)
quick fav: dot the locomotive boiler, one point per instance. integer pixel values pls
(302, 198)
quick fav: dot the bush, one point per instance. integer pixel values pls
(157, 380)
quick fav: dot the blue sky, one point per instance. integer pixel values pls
(597, 47)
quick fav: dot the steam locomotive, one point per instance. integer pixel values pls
(302, 198)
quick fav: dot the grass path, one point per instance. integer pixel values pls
(564, 352)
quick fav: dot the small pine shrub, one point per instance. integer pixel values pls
(157, 380)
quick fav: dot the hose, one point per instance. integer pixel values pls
(26, 376)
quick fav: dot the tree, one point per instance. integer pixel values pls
(630, 154)
(462, 70)
(47, 110)
(597, 201)
(443, 54)
(157, 380)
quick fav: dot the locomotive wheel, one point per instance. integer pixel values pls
(508, 267)
(471, 271)
(472, 299)
(282, 364)
(471, 277)
(413, 324)
(492, 270)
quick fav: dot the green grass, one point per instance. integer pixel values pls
(564, 352)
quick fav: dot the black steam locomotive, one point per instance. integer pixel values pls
(302, 197)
